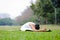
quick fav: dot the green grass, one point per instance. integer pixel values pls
(13, 33)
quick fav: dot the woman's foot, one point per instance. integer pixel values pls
(49, 30)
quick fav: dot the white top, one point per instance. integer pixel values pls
(26, 26)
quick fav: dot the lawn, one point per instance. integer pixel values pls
(13, 33)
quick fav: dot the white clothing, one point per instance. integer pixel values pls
(26, 26)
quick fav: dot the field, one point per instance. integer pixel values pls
(13, 33)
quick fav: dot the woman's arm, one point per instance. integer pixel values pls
(33, 28)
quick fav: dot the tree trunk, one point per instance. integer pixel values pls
(46, 21)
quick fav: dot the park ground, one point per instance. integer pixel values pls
(13, 33)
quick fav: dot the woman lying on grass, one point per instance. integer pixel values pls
(30, 26)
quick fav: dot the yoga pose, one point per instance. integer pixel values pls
(31, 26)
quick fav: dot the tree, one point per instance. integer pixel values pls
(43, 8)
(6, 21)
(56, 3)
(58, 16)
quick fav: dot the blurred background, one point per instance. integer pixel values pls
(18, 12)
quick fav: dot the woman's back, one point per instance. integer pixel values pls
(26, 26)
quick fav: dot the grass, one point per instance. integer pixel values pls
(13, 33)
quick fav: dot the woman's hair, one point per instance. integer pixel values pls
(37, 26)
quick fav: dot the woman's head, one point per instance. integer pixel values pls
(37, 27)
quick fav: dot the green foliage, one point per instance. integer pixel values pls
(56, 3)
(58, 15)
(6, 21)
(48, 8)
(44, 9)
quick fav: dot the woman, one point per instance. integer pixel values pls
(30, 26)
